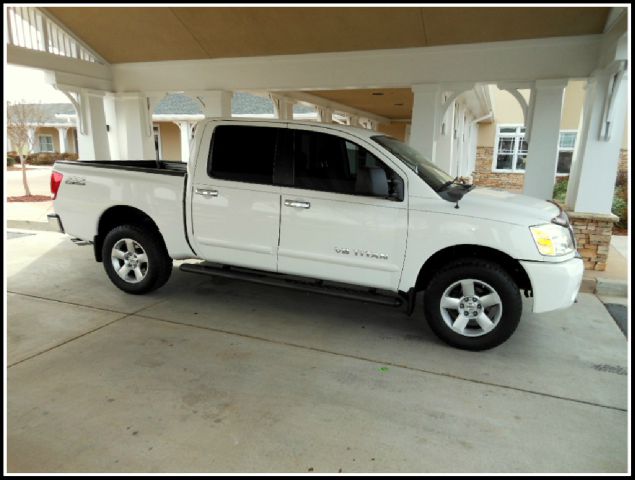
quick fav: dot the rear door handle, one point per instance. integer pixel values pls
(205, 192)
(297, 204)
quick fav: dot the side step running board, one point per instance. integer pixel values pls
(281, 281)
(79, 242)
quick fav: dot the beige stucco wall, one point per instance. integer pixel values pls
(48, 131)
(70, 138)
(486, 134)
(572, 106)
(170, 140)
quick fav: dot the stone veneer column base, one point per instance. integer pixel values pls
(593, 234)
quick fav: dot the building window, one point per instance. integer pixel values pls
(46, 143)
(511, 150)
(565, 151)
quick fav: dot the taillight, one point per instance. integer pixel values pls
(56, 180)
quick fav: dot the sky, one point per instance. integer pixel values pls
(29, 85)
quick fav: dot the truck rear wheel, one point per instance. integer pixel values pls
(136, 260)
(472, 304)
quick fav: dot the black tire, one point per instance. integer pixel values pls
(486, 276)
(158, 267)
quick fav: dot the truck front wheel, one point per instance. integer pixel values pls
(136, 260)
(472, 304)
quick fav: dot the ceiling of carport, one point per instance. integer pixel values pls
(142, 34)
(393, 103)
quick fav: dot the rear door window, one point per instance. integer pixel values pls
(243, 153)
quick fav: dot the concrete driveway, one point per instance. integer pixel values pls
(209, 375)
(38, 178)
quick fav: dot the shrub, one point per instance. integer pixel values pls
(620, 197)
(11, 160)
(42, 158)
(560, 190)
(49, 158)
(620, 206)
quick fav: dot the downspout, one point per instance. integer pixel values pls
(484, 117)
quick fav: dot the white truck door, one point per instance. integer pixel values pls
(235, 214)
(341, 220)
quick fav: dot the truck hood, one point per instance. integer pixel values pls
(502, 206)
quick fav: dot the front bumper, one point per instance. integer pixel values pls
(55, 221)
(555, 285)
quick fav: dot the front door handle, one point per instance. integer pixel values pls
(205, 192)
(297, 204)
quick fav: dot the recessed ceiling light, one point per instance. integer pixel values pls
(379, 94)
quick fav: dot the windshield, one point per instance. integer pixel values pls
(415, 161)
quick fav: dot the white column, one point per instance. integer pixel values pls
(62, 132)
(471, 156)
(186, 134)
(133, 127)
(93, 139)
(282, 107)
(446, 138)
(426, 112)
(596, 158)
(112, 126)
(325, 114)
(215, 103)
(542, 152)
(33, 143)
(71, 144)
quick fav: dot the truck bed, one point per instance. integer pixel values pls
(90, 188)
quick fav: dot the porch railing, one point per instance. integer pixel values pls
(29, 27)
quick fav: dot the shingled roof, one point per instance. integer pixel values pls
(242, 104)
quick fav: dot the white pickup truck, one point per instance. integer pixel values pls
(330, 209)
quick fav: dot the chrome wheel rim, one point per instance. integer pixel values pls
(471, 307)
(129, 260)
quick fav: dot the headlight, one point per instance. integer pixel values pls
(552, 240)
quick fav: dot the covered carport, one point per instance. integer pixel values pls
(117, 64)
(205, 377)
